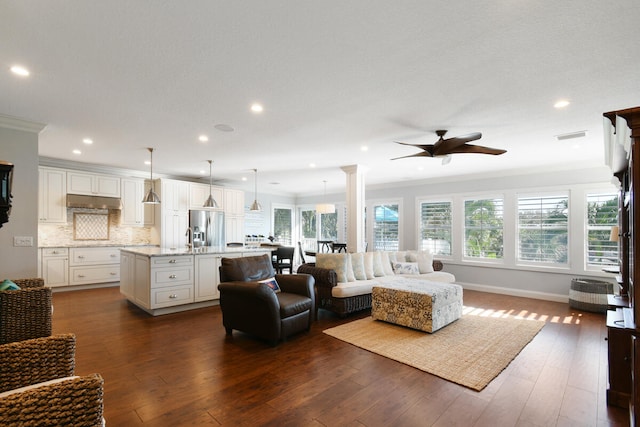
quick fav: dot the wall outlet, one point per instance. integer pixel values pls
(22, 241)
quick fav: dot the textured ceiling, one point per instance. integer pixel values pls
(332, 76)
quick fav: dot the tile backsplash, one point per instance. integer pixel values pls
(63, 234)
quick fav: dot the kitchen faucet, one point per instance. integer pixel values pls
(190, 234)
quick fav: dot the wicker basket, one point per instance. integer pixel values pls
(589, 294)
(26, 313)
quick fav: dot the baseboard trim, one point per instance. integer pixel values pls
(515, 292)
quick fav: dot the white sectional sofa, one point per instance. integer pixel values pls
(344, 282)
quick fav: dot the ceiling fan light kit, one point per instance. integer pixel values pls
(446, 147)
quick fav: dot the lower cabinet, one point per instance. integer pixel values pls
(55, 266)
(207, 275)
(94, 265)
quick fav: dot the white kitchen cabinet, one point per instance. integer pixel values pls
(127, 273)
(172, 213)
(199, 193)
(94, 265)
(234, 228)
(92, 184)
(207, 275)
(52, 193)
(135, 213)
(55, 266)
(233, 202)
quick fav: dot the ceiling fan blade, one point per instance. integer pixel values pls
(477, 149)
(422, 154)
(444, 146)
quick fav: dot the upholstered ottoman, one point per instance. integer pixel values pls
(418, 304)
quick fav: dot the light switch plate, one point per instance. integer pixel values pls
(22, 241)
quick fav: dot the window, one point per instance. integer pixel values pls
(283, 225)
(543, 229)
(435, 227)
(602, 215)
(483, 230)
(329, 226)
(308, 229)
(386, 235)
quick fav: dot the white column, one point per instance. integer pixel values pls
(355, 207)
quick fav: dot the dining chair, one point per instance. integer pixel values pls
(284, 259)
(301, 253)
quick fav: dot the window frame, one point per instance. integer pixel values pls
(463, 228)
(419, 221)
(370, 222)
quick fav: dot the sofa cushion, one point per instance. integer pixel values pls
(406, 268)
(378, 268)
(357, 265)
(425, 262)
(292, 304)
(246, 269)
(339, 262)
(368, 265)
(386, 264)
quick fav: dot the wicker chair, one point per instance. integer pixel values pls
(76, 401)
(26, 313)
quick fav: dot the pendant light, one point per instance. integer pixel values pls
(255, 206)
(210, 202)
(151, 197)
(325, 208)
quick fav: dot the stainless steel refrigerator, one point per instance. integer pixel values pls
(206, 228)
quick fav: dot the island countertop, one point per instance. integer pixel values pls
(204, 250)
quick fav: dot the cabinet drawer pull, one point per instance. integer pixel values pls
(172, 261)
(81, 275)
(81, 256)
(113, 274)
(113, 255)
(173, 276)
(173, 296)
(55, 252)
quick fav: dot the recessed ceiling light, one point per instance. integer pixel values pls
(224, 128)
(202, 172)
(364, 148)
(77, 152)
(312, 165)
(19, 70)
(203, 138)
(244, 178)
(257, 108)
(147, 162)
(561, 103)
(88, 141)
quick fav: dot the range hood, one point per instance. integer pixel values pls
(93, 202)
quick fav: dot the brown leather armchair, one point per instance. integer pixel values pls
(254, 308)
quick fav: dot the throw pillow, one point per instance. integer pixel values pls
(386, 264)
(338, 262)
(368, 265)
(378, 268)
(425, 262)
(401, 256)
(357, 265)
(8, 285)
(272, 283)
(406, 268)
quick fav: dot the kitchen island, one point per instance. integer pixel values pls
(162, 280)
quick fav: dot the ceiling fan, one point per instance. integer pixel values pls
(445, 147)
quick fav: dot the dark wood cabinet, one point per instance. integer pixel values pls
(622, 333)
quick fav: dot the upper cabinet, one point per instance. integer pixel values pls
(134, 212)
(233, 202)
(174, 195)
(199, 193)
(92, 184)
(52, 193)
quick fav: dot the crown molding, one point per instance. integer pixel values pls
(15, 123)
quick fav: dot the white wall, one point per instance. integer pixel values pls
(19, 145)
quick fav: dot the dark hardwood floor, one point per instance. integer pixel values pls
(181, 370)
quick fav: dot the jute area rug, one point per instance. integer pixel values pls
(471, 351)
